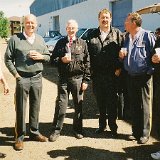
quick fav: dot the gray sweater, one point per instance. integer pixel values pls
(16, 55)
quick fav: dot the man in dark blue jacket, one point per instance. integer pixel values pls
(137, 62)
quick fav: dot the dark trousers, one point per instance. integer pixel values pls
(156, 102)
(105, 92)
(123, 97)
(65, 87)
(25, 87)
(141, 96)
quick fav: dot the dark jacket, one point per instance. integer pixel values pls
(105, 55)
(157, 65)
(80, 64)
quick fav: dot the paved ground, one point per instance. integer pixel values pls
(67, 147)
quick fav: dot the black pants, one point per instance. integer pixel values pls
(65, 87)
(141, 96)
(104, 88)
(25, 87)
(123, 97)
(156, 102)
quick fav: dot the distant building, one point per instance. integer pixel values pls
(15, 24)
(53, 14)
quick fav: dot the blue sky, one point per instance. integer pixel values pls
(15, 7)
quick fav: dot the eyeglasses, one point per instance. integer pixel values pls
(71, 28)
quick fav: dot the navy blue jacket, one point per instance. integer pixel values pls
(138, 60)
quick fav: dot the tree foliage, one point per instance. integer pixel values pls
(4, 26)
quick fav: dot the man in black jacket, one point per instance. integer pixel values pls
(104, 45)
(156, 88)
(73, 67)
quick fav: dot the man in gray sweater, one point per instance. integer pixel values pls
(24, 57)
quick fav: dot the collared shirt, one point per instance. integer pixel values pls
(30, 39)
(131, 43)
(73, 38)
(104, 35)
(70, 42)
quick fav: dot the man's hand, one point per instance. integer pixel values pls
(66, 59)
(121, 55)
(6, 89)
(17, 75)
(84, 86)
(35, 55)
(156, 58)
(118, 72)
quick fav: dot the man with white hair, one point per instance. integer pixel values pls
(24, 58)
(73, 66)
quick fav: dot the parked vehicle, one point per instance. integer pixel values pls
(51, 34)
(81, 33)
(52, 42)
(84, 32)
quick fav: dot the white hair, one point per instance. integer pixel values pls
(30, 16)
(72, 21)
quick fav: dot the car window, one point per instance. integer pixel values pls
(54, 33)
(80, 32)
(85, 35)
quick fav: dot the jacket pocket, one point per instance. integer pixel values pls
(75, 67)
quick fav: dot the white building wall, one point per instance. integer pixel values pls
(86, 14)
(150, 21)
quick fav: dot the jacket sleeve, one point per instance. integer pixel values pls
(120, 39)
(86, 75)
(9, 57)
(55, 56)
(45, 53)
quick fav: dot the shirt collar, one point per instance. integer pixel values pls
(104, 32)
(136, 35)
(31, 37)
(74, 38)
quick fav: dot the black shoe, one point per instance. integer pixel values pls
(2, 155)
(54, 136)
(143, 140)
(79, 135)
(100, 130)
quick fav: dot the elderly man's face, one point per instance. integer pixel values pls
(128, 24)
(71, 29)
(30, 24)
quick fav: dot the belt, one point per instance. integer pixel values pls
(28, 74)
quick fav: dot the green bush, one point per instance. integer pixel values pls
(4, 26)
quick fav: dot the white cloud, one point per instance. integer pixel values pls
(15, 7)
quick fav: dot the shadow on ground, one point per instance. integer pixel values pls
(84, 153)
(88, 153)
(141, 152)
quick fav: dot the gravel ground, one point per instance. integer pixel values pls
(67, 147)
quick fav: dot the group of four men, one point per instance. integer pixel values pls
(100, 58)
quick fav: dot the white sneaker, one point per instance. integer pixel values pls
(156, 155)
